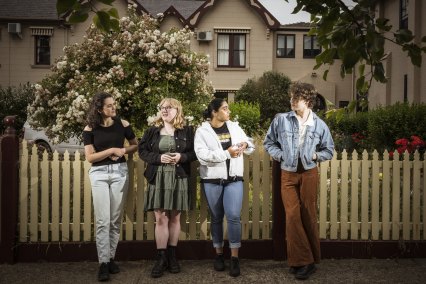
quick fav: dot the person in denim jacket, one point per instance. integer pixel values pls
(299, 139)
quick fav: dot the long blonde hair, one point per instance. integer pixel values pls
(179, 120)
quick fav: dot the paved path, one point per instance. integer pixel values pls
(201, 271)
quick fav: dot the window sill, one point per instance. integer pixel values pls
(34, 66)
(231, 69)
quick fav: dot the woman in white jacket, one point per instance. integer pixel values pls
(219, 145)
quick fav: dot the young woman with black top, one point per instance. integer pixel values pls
(219, 145)
(168, 148)
(104, 148)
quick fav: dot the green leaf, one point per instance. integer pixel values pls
(340, 114)
(102, 21)
(115, 25)
(350, 58)
(324, 76)
(106, 2)
(352, 106)
(403, 36)
(361, 69)
(63, 6)
(381, 23)
(77, 17)
(113, 13)
(414, 52)
(360, 82)
(379, 73)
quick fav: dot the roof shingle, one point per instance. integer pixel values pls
(28, 10)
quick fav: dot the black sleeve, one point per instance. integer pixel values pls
(188, 155)
(88, 138)
(128, 133)
(145, 149)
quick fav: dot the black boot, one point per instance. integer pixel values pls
(234, 270)
(174, 266)
(160, 265)
(103, 274)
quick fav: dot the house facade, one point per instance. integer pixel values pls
(406, 82)
(242, 38)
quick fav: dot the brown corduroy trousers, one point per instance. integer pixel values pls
(299, 196)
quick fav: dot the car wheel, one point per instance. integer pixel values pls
(41, 147)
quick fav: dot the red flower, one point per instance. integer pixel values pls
(402, 141)
(357, 137)
(416, 141)
(410, 146)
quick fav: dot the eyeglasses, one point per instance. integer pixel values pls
(166, 108)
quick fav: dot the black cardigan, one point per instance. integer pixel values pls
(149, 151)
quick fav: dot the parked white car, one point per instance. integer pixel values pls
(39, 138)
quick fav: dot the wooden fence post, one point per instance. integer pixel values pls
(9, 191)
(278, 215)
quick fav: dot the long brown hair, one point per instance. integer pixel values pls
(94, 117)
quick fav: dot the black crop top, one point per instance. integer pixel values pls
(103, 138)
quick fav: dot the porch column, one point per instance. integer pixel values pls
(9, 163)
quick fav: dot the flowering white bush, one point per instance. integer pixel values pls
(139, 66)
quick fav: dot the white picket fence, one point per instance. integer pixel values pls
(359, 199)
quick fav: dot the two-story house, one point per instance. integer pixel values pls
(242, 37)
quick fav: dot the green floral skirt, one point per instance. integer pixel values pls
(168, 192)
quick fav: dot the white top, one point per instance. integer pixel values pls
(211, 155)
(302, 128)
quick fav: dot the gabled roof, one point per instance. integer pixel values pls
(185, 8)
(300, 26)
(28, 10)
(190, 12)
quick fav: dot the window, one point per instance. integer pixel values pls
(285, 46)
(42, 50)
(310, 46)
(403, 14)
(221, 95)
(231, 50)
(343, 104)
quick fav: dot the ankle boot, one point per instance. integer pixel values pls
(160, 265)
(174, 266)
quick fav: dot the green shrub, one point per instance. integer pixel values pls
(378, 128)
(248, 116)
(401, 120)
(14, 101)
(350, 131)
(270, 91)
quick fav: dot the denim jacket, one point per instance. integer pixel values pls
(282, 141)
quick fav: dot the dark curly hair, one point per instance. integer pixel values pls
(94, 117)
(303, 91)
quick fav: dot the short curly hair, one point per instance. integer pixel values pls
(304, 91)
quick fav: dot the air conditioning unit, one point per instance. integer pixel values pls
(204, 36)
(14, 28)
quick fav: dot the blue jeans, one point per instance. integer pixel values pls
(109, 190)
(225, 200)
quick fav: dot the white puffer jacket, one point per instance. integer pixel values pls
(213, 158)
